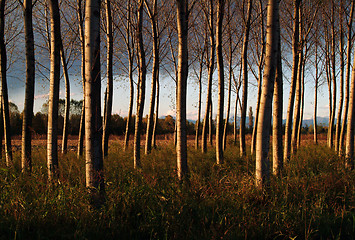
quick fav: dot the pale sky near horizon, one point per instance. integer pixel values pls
(121, 95)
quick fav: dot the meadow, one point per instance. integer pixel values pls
(314, 199)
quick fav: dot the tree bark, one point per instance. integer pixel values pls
(26, 158)
(260, 76)
(347, 78)
(156, 116)
(262, 173)
(349, 151)
(228, 106)
(291, 99)
(197, 127)
(208, 111)
(82, 118)
(245, 81)
(220, 66)
(141, 87)
(3, 92)
(277, 153)
(315, 130)
(109, 88)
(67, 100)
(341, 87)
(153, 18)
(93, 121)
(181, 147)
(52, 135)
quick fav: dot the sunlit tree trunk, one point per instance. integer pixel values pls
(208, 110)
(299, 130)
(245, 81)
(109, 88)
(197, 127)
(52, 135)
(93, 121)
(260, 76)
(297, 114)
(341, 86)
(228, 107)
(141, 87)
(291, 99)
(181, 147)
(67, 100)
(220, 66)
(3, 92)
(347, 79)
(156, 116)
(26, 158)
(333, 77)
(210, 125)
(349, 150)
(277, 153)
(262, 173)
(152, 13)
(315, 130)
(82, 46)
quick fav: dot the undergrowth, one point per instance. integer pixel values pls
(314, 199)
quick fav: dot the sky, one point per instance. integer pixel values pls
(16, 84)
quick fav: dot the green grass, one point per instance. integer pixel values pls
(315, 199)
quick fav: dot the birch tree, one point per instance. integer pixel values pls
(220, 66)
(245, 80)
(93, 122)
(26, 158)
(109, 88)
(141, 86)
(263, 133)
(52, 135)
(182, 15)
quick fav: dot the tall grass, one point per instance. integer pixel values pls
(315, 198)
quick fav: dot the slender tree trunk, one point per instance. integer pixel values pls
(199, 104)
(277, 153)
(93, 121)
(131, 95)
(82, 118)
(220, 65)
(52, 135)
(228, 107)
(26, 159)
(347, 78)
(156, 116)
(109, 88)
(141, 86)
(67, 100)
(301, 107)
(315, 130)
(297, 114)
(210, 77)
(349, 151)
(3, 92)
(181, 147)
(210, 125)
(152, 15)
(291, 99)
(245, 81)
(260, 76)
(262, 174)
(235, 119)
(341, 87)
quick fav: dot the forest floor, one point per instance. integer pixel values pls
(314, 198)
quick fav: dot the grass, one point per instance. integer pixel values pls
(315, 199)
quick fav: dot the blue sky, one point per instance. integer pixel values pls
(121, 95)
